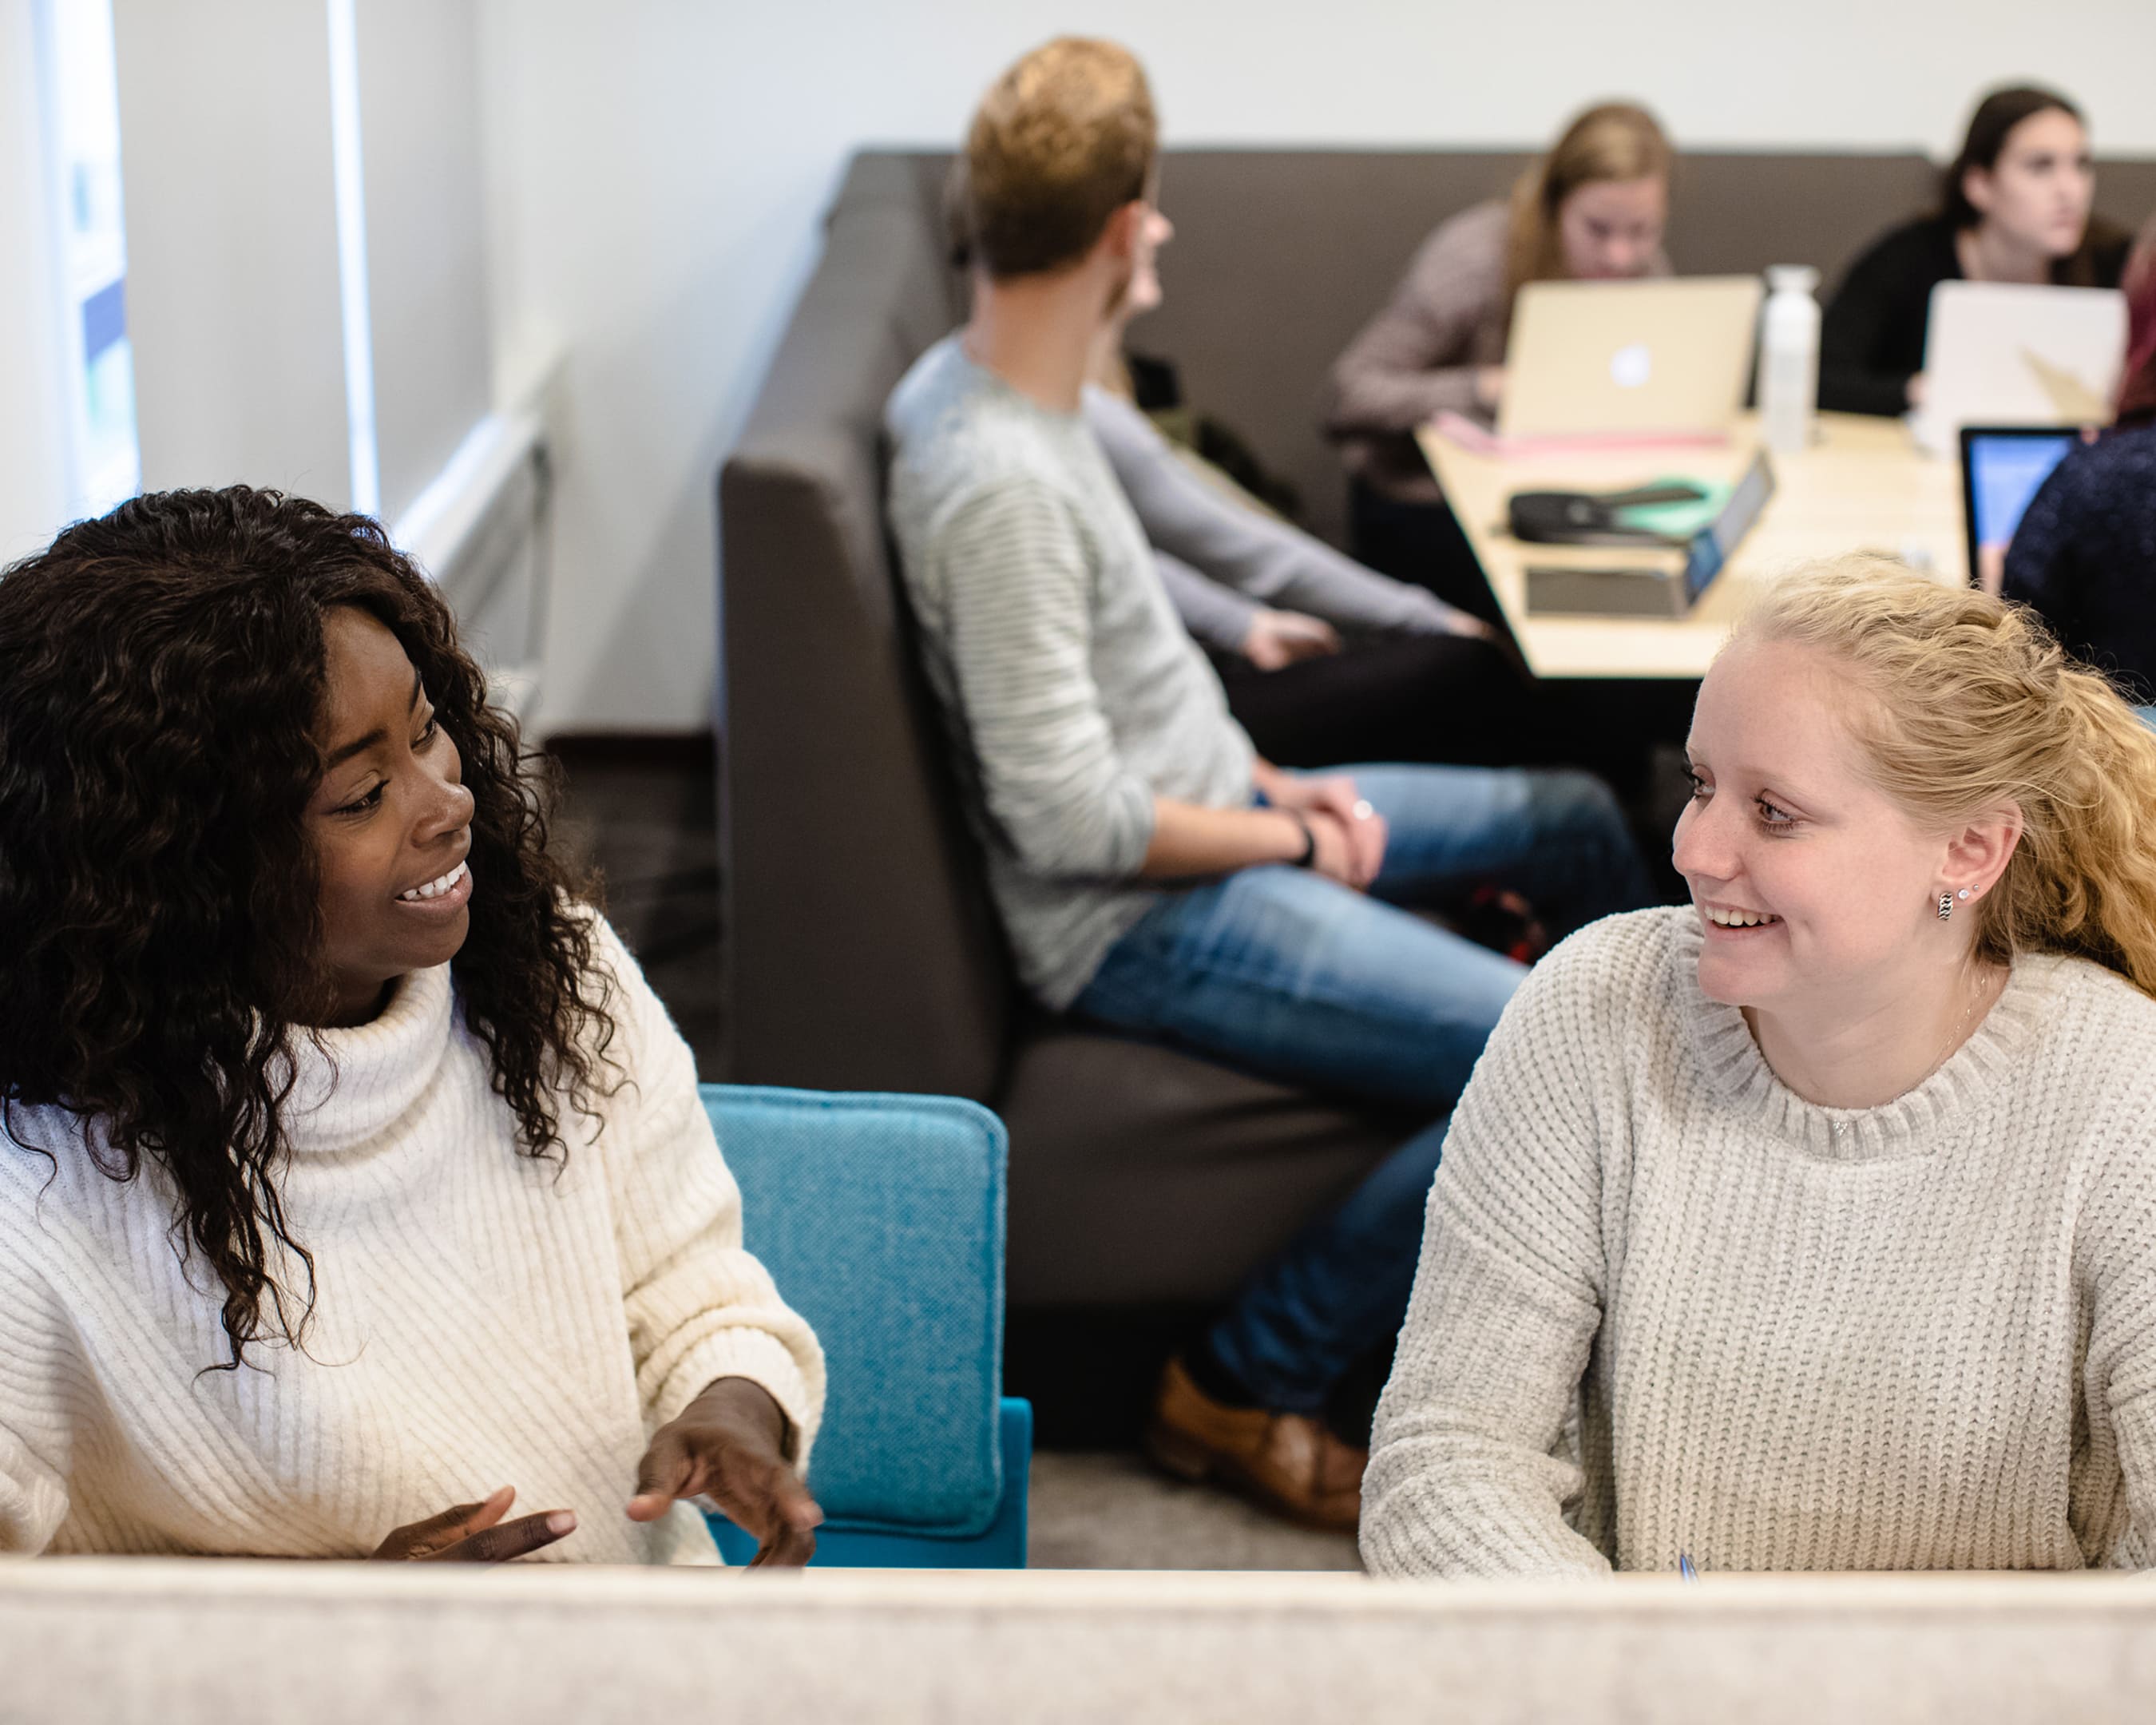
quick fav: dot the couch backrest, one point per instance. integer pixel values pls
(2126, 191)
(861, 950)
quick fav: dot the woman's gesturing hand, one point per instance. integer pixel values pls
(729, 1446)
(475, 1533)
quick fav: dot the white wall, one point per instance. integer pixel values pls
(232, 297)
(32, 470)
(657, 168)
(425, 236)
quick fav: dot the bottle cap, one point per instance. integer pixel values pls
(1792, 277)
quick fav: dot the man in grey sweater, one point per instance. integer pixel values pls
(1152, 872)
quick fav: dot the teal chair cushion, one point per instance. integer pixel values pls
(881, 1219)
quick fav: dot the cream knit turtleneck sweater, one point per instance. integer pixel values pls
(1920, 1336)
(483, 1319)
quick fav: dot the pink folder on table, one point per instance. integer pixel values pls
(1479, 439)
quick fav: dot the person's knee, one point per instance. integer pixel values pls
(1567, 799)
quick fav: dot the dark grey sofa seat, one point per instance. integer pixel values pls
(862, 953)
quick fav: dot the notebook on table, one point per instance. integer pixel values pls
(1705, 530)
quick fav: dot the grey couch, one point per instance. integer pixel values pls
(861, 950)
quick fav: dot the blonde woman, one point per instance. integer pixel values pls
(1826, 1205)
(1593, 209)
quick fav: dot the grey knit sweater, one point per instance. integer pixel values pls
(1920, 1336)
(1069, 691)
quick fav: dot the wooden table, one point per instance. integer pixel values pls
(1863, 486)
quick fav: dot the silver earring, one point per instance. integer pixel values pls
(1964, 893)
(1946, 906)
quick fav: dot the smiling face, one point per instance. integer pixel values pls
(1611, 229)
(1811, 884)
(390, 820)
(2039, 193)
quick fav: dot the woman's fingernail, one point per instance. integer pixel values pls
(561, 1521)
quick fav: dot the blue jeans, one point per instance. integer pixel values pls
(1293, 975)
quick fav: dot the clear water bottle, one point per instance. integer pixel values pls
(1788, 358)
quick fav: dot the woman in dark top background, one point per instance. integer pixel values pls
(2085, 552)
(2016, 209)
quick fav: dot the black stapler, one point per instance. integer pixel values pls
(1591, 517)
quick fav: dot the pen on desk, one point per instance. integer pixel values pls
(1684, 1567)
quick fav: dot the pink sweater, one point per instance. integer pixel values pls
(1418, 356)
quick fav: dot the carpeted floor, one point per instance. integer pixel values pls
(1113, 1512)
(643, 812)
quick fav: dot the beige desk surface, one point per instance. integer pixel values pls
(183, 1641)
(1863, 486)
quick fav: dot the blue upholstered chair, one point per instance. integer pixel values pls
(881, 1219)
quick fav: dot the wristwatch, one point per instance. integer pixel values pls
(1309, 857)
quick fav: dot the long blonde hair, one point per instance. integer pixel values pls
(1613, 140)
(1972, 705)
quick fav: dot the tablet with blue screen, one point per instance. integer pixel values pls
(2003, 467)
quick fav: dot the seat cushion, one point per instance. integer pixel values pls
(1141, 1175)
(881, 1219)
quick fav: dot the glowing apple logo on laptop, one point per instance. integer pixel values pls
(1629, 367)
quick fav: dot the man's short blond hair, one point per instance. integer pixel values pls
(1060, 143)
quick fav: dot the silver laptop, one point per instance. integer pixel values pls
(1630, 358)
(2001, 355)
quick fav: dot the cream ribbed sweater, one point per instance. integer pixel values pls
(483, 1320)
(1915, 1336)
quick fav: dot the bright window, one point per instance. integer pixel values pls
(82, 110)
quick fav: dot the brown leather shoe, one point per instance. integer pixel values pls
(1289, 1463)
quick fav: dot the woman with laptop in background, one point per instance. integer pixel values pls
(1320, 658)
(2084, 553)
(2016, 209)
(1593, 209)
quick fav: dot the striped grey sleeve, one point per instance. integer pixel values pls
(1216, 615)
(1019, 654)
(1266, 561)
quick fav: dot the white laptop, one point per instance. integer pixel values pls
(2001, 355)
(1630, 358)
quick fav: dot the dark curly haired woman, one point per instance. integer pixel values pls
(350, 1167)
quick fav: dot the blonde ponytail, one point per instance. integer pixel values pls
(1973, 706)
